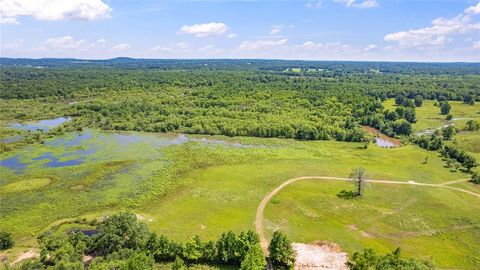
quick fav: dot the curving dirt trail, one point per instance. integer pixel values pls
(261, 207)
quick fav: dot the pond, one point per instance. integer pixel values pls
(13, 163)
(43, 125)
(12, 139)
(55, 162)
(384, 143)
(382, 140)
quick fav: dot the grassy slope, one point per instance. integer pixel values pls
(220, 197)
(423, 222)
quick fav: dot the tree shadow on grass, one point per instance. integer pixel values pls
(347, 195)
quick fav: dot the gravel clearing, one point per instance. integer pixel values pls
(320, 255)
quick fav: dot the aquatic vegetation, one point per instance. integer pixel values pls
(25, 185)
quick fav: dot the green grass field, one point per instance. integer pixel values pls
(469, 141)
(425, 222)
(429, 117)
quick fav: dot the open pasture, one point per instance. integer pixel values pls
(425, 222)
(429, 117)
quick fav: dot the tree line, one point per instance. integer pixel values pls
(121, 242)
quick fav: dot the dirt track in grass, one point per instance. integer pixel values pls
(261, 207)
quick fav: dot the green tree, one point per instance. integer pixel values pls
(469, 162)
(400, 100)
(281, 251)
(472, 125)
(445, 108)
(119, 231)
(364, 260)
(358, 176)
(402, 127)
(418, 100)
(193, 249)
(468, 99)
(228, 248)
(254, 260)
(475, 178)
(448, 133)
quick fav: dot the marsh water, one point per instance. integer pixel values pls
(43, 125)
(77, 148)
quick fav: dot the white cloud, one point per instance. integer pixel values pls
(279, 28)
(473, 9)
(315, 5)
(435, 35)
(358, 3)
(205, 30)
(8, 20)
(276, 29)
(476, 45)
(310, 46)
(121, 47)
(232, 35)
(261, 44)
(101, 41)
(207, 48)
(161, 49)
(182, 45)
(370, 47)
(65, 42)
(51, 10)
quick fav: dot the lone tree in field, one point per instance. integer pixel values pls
(358, 176)
(445, 108)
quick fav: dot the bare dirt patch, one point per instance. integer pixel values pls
(319, 256)
(26, 255)
(353, 227)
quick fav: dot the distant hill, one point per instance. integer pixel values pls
(460, 68)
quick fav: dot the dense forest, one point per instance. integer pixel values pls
(262, 98)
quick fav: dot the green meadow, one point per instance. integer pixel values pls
(429, 117)
(428, 223)
(205, 185)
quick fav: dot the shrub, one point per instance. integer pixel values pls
(368, 259)
(475, 178)
(6, 240)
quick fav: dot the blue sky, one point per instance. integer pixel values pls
(311, 30)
